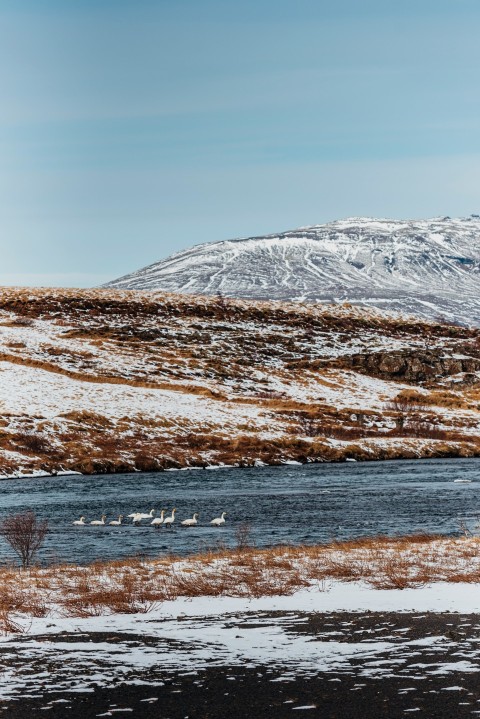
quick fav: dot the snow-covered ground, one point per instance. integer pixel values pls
(154, 370)
(40, 393)
(193, 635)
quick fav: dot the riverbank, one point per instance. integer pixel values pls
(348, 571)
(389, 664)
(349, 453)
(244, 646)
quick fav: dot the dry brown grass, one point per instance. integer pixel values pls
(138, 586)
(20, 598)
(125, 593)
(445, 398)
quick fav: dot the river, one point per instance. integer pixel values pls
(288, 504)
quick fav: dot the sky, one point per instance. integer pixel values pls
(132, 129)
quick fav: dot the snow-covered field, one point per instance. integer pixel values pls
(94, 380)
(40, 393)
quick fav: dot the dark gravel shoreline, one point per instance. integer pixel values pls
(237, 692)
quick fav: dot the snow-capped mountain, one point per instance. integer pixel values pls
(430, 268)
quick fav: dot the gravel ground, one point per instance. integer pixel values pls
(430, 668)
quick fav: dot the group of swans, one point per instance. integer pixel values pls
(99, 522)
(156, 522)
(137, 517)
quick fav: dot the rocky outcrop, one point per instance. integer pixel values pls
(411, 366)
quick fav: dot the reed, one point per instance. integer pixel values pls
(136, 585)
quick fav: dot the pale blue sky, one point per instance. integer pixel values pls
(130, 129)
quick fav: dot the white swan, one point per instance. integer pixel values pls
(80, 522)
(158, 520)
(168, 521)
(190, 522)
(141, 514)
(99, 521)
(219, 520)
(138, 516)
(116, 522)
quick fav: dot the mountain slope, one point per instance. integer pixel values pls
(430, 268)
(108, 380)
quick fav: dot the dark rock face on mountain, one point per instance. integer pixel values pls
(429, 268)
(412, 366)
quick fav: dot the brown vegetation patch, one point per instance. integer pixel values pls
(136, 585)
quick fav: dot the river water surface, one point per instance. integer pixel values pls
(289, 504)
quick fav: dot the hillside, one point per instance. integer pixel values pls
(429, 268)
(108, 380)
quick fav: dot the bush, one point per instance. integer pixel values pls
(25, 534)
(33, 442)
(407, 401)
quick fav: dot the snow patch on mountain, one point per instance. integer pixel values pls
(429, 268)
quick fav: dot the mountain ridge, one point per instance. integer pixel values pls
(429, 268)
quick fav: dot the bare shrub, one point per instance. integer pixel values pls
(407, 401)
(271, 394)
(315, 427)
(32, 441)
(341, 432)
(25, 534)
(309, 426)
(423, 430)
(243, 536)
